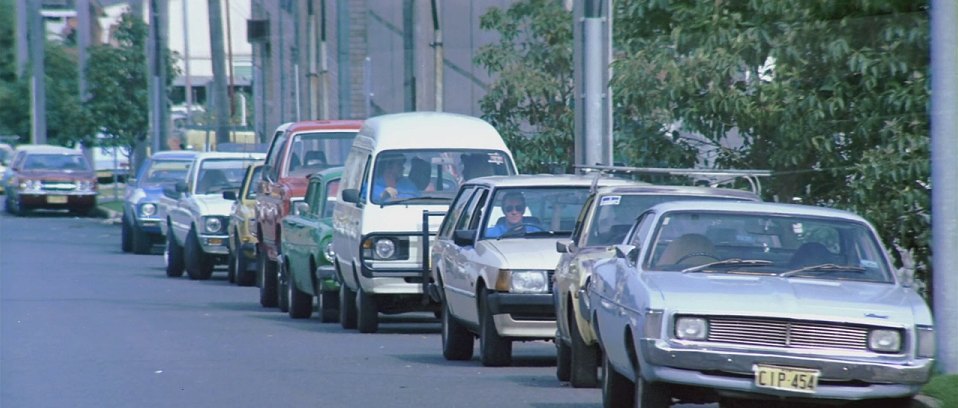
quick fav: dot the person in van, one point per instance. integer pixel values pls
(419, 173)
(514, 207)
(389, 183)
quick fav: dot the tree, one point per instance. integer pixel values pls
(530, 100)
(832, 96)
(117, 83)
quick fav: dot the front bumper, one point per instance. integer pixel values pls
(729, 372)
(149, 225)
(526, 315)
(57, 200)
(325, 272)
(215, 244)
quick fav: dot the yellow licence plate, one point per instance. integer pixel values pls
(56, 199)
(786, 378)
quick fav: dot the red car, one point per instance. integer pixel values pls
(297, 150)
(50, 177)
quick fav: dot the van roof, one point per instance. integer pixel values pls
(432, 130)
(324, 126)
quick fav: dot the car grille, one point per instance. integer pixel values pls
(549, 279)
(787, 333)
(58, 186)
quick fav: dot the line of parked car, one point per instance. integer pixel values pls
(657, 293)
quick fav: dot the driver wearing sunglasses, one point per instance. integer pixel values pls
(513, 205)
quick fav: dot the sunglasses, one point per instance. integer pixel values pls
(511, 208)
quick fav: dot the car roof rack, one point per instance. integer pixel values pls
(715, 177)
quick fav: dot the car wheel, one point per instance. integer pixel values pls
(300, 303)
(199, 265)
(457, 342)
(494, 350)
(327, 306)
(617, 390)
(563, 359)
(174, 256)
(126, 243)
(267, 281)
(243, 277)
(651, 395)
(347, 307)
(367, 313)
(140, 242)
(231, 265)
(583, 369)
(282, 287)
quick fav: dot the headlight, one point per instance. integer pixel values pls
(84, 185)
(212, 225)
(691, 328)
(523, 281)
(384, 248)
(328, 252)
(884, 341)
(926, 341)
(147, 210)
(30, 185)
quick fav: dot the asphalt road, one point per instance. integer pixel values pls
(84, 325)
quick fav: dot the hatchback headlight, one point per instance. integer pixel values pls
(212, 225)
(147, 210)
(691, 328)
(523, 281)
(884, 341)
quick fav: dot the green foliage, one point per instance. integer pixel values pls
(832, 96)
(117, 77)
(530, 102)
(944, 388)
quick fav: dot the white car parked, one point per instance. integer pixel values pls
(197, 215)
(494, 258)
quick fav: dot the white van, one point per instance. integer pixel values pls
(399, 166)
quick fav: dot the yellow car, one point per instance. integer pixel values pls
(242, 240)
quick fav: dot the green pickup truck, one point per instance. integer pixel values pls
(306, 255)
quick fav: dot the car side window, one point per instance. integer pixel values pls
(454, 211)
(577, 235)
(466, 218)
(272, 158)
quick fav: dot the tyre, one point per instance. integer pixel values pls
(267, 281)
(563, 359)
(282, 287)
(243, 277)
(650, 395)
(494, 350)
(457, 342)
(583, 369)
(617, 390)
(140, 242)
(231, 265)
(174, 256)
(199, 265)
(327, 306)
(367, 313)
(126, 236)
(300, 303)
(347, 307)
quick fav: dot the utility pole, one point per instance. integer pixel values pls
(944, 179)
(83, 42)
(323, 64)
(409, 55)
(437, 48)
(38, 83)
(23, 43)
(219, 72)
(229, 57)
(188, 82)
(157, 46)
(592, 54)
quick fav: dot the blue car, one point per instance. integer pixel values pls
(142, 213)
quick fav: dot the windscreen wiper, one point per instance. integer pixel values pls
(408, 199)
(732, 262)
(823, 268)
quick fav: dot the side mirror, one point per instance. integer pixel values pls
(301, 207)
(181, 187)
(464, 237)
(627, 252)
(229, 195)
(169, 190)
(565, 246)
(351, 195)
